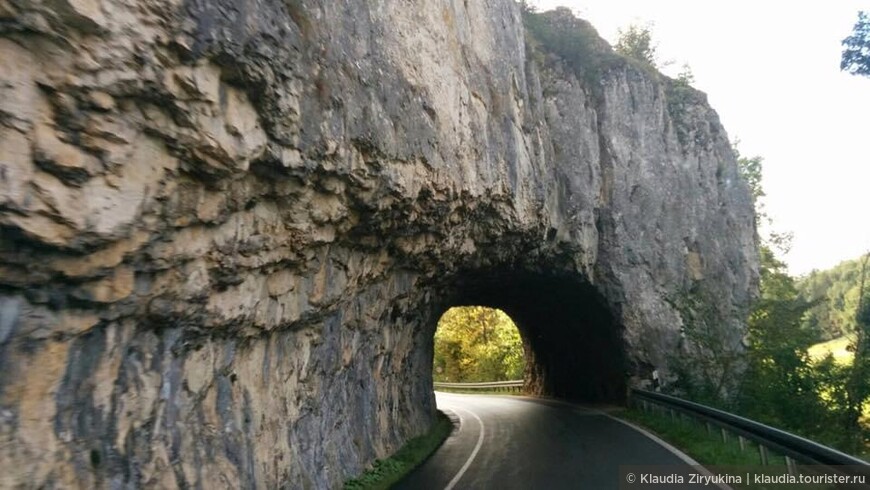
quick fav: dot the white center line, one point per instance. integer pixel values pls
(464, 468)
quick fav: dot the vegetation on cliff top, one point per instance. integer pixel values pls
(559, 33)
(574, 41)
(636, 42)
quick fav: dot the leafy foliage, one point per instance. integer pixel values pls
(750, 170)
(636, 43)
(784, 386)
(824, 398)
(858, 382)
(559, 35)
(686, 76)
(835, 294)
(559, 32)
(781, 384)
(476, 343)
(856, 47)
(778, 363)
(681, 97)
(843, 308)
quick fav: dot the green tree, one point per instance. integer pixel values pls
(780, 386)
(636, 42)
(856, 47)
(572, 40)
(835, 294)
(777, 383)
(476, 343)
(858, 383)
(750, 169)
(686, 76)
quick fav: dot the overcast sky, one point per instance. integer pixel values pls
(771, 71)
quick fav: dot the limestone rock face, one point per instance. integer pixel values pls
(228, 229)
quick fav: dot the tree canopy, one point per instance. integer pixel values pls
(856, 47)
(835, 294)
(780, 383)
(636, 42)
(476, 343)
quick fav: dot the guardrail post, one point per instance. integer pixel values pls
(748, 432)
(765, 457)
(791, 465)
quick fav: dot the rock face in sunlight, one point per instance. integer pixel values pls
(228, 228)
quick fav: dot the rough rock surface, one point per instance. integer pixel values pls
(228, 228)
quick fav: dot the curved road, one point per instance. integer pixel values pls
(508, 442)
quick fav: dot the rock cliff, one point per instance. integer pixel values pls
(228, 228)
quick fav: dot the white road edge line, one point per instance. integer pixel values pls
(683, 456)
(464, 468)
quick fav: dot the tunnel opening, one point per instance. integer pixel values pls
(477, 344)
(573, 345)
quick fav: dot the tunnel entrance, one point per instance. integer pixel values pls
(477, 344)
(573, 345)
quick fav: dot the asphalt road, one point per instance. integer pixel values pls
(506, 442)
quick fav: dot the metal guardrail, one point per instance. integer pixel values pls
(513, 385)
(794, 448)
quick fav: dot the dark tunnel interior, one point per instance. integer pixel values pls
(573, 345)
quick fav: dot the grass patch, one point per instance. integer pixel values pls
(386, 472)
(708, 448)
(693, 439)
(839, 348)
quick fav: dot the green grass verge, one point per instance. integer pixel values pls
(693, 439)
(708, 448)
(386, 472)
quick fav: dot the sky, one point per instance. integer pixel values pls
(772, 72)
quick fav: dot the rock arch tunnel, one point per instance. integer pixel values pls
(227, 228)
(574, 346)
